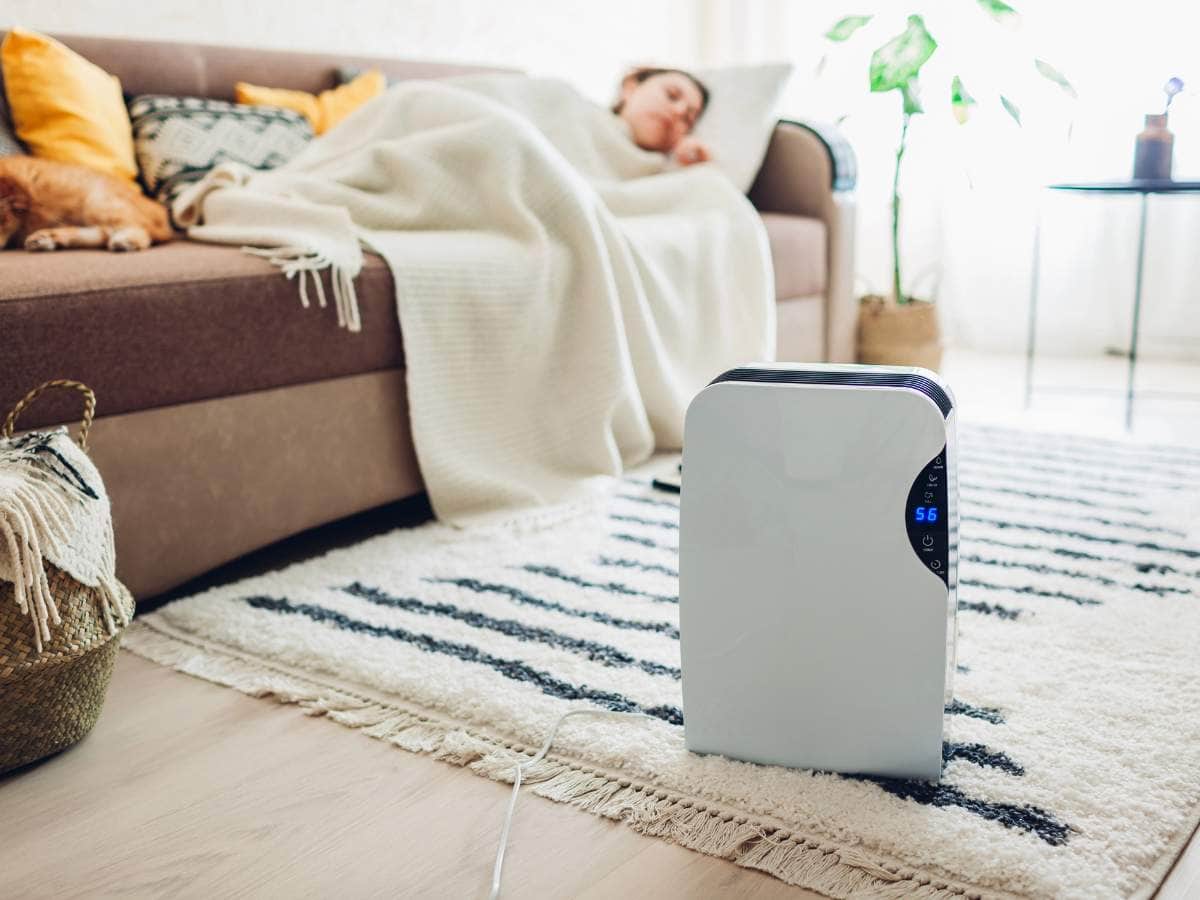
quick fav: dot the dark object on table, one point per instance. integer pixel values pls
(1153, 149)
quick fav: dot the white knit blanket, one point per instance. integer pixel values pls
(562, 294)
(53, 509)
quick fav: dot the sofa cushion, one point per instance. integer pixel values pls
(797, 253)
(180, 322)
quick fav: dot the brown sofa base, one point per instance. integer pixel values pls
(196, 485)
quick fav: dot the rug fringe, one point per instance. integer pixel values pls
(835, 871)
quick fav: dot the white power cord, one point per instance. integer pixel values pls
(519, 769)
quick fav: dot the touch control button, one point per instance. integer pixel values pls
(927, 541)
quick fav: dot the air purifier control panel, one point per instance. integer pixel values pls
(927, 517)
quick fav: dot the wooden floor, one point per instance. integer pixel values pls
(187, 789)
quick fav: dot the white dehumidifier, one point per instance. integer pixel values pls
(818, 557)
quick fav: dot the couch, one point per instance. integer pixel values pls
(229, 417)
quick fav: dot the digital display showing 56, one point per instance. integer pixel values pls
(925, 514)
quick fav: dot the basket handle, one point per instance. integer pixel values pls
(89, 407)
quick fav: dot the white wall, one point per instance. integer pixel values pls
(589, 42)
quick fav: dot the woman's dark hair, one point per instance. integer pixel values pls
(646, 73)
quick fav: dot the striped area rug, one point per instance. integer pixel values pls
(1072, 756)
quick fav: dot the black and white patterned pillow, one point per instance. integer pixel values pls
(178, 139)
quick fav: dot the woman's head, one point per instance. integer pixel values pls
(660, 106)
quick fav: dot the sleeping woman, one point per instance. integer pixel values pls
(659, 108)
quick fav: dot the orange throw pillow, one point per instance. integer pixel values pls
(323, 110)
(64, 107)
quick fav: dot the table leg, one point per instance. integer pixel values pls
(1033, 298)
(1137, 312)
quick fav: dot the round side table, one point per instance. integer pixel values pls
(1142, 187)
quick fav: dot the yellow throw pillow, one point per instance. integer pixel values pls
(64, 107)
(323, 110)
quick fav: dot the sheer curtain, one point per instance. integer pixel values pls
(971, 192)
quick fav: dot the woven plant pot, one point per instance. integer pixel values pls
(892, 334)
(51, 697)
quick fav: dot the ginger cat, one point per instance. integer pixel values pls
(48, 205)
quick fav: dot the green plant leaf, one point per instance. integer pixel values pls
(1048, 71)
(899, 60)
(844, 28)
(960, 100)
(998, 10)
(1011, 108)
(911, 93)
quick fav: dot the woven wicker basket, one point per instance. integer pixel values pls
(891, 334)
(52, 698)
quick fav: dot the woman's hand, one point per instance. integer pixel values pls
(689, 150)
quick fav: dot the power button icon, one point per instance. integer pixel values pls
(927, 541)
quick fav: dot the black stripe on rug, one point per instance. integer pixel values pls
(989, 609)
(967, 475)
(1105, 475)
(644, 542)
(980, 756)
(1165, 466)
(640, 566)
(1084, 536)
(1075, 517)
(1060, 498)
(1031, 591)
(1040, 569)
(637, 520)
(1146, 568)
(1092, 448)
(604, 654)
(519, 596)
(512, 669)
(985, 713)
(648, 501)
(611, 587)
(1026, 818)
(1041, 548)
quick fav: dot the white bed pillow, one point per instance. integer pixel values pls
(741, 115)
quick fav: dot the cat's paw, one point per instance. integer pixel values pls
(129, 239)
(40, 240)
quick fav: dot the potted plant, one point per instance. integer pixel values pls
(900, 329)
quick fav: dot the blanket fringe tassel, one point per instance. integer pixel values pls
(305, 263)
(817, 865)
(39, 507)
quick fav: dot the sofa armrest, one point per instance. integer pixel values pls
(810, 170)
